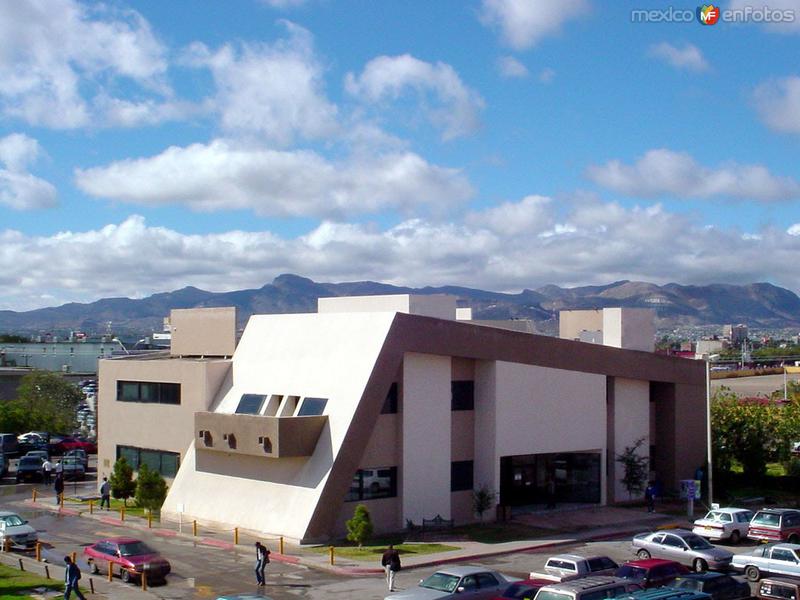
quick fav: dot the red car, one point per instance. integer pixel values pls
(651, 572)
(65, 444)
(523, 590)
(130, 557)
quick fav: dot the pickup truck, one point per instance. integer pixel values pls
(565, 567)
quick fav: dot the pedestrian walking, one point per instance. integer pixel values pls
(105, 494)
(72, 575)
(47, 469)
(58, 486)
(59, 468)
(390, 561)
(262, 560)
(650, 497)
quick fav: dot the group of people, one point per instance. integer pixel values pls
(47, 477)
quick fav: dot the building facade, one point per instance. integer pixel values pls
(392, 402)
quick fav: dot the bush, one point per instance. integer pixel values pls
(121, 480)
(151, 489)
(793, 467)
(482, 500)
(359, 528)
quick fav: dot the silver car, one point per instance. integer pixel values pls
(775, 559)
(682, 546)
(462, 583)
(16, 529)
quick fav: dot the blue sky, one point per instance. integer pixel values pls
(503, 144)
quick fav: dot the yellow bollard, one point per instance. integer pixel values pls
(61, 500)
(280, 546)
(144, 581)
(122, 513)
(235, 536)
(38, 552)
(91, 507)
(74, 556)
(110, 570)
(331, 557)
(34, 495)
(194, 528)
(150, 520)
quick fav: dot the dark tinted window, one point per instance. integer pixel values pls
(783, 554)
(486, 580)
(373, 483)
(148, 391)
(390, 402)
(463, 395)
(519, 591)
(250, 404)
(165, 463)
(674, 541)
(461, 475)
(312, 406)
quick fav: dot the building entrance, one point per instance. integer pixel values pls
(529, 479)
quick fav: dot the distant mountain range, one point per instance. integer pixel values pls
(758, 304)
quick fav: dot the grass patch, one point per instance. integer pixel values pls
(375, 552)
(497, 533)
(130, 511)
(14, 583)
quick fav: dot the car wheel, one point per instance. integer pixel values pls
(794, 538)
(700, 566)
(125, 575)
(736, 537)
(643, 554)
(752, 573)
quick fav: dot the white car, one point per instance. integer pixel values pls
(16, 529)
(724, 524)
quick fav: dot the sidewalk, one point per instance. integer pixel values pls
(569, 526)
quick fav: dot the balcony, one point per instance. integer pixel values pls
(254, 435)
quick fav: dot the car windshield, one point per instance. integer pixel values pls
(135, 549)
(551, 595)
(631, 572)
(715, 515)
(72, 461)
(30, 461)
(697, 543)
(767, 519)
(519, 591)
(12, 521)
(441, 582)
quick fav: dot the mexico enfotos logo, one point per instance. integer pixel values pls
(711, 14)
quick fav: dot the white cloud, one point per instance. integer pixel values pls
(547, 75)
(273, 91)
(53, 53)
(512, 68)
(592, 243)
(794, 229)
(663, 172)
(687, 57)
(531, 215)
(220, 176)
(523, 23)
(778, 103)
(787, 22)
(18, 189)
(457, 106)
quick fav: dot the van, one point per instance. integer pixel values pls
(776, 588)
(597, 587)
(8, 443)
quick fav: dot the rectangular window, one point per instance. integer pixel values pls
(163, 462)
(312, 406)
(250, 404)
(390, 403)
(373, 483)
(463, 395)
(461, 475)
(150, 392)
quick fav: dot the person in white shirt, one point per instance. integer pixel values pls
(47, 468)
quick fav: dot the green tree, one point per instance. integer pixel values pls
(151, 489)
(359, 528)
(482, 500)
(122, 484)
(50, 401)
(635, 468)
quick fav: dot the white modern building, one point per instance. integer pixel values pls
(391, 402)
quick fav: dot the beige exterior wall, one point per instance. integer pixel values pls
(426, 431)
(631, 422)
(631, 328)
(436, 305)
(153, 426)
(572, 322)
(203, 331)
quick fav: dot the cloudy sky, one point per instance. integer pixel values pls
(501, 144)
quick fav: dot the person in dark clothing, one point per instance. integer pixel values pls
(58, 486)
(72, 575)
(105, 494)
(262, 560)
(650, 497)
(390, 561)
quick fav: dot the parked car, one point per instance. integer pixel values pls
(3, 465)
(724, 524)
(40, 454)
(73, 468)
(720, 586)
(776, 525)
(79, 454)
(682, 546)
(31, 441)
(777, 559)
(16, 529)
(564, 567)
(9, 444)
(130, 557)
(523, 590)
(665, 593)
(651, 572)
(29, 468)
(778, 588)
(587, 588)
(456, 583)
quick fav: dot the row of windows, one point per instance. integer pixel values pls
(462, 397)
(381, 482)
(166, 463)
(151, 392)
